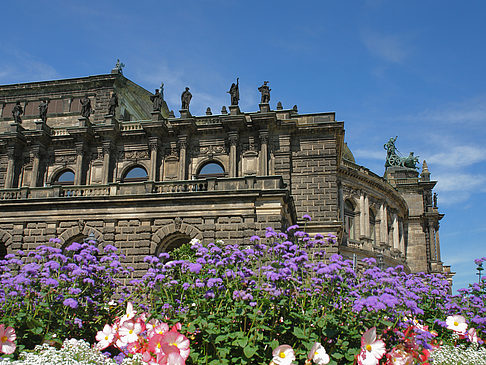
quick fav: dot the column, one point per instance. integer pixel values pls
(154, 147)
(402, 237)
(362, 223)
(9, 178)
(396, 238)
(383, 224)
(35, 166)
(367, 216)
(437, 243)
(106, 162)
(182, 157)
(433, 248)
(233, 162)
(264, 153)
(78, 176)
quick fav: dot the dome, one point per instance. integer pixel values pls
(347, 154)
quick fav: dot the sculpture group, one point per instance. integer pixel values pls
(157, 101)
(393, 159)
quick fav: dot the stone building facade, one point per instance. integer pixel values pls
(147, 181)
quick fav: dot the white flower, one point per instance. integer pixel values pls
(318, 354)
(283, 355)
(105, 337)
(457, 323)
(372, 350)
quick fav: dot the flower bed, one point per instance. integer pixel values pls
(241, 304)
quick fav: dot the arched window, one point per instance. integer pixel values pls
(349, 226)
(135, 174)
(65, 177)
(211, 169)
(372, 227)
(172, 242)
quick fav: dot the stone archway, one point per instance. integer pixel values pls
(5, 241)
(172, 236)
(77, 233)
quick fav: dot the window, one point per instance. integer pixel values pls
(349, 214)
(65, 177)
(211, 169)
(372, 227)
(135, 174)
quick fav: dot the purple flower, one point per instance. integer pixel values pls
(195, 268)
(70, 302)
(255, 238)
(52, 282)
(73, 247)
(306, 217)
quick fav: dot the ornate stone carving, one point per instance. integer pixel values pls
(134, 155)
(178, 223)
(212, 149)
(64, 159)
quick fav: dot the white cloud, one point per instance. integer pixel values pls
(459, 156)
(19, 66)
(461, 182)
(471, 111)
(370, 154)
(391, 48)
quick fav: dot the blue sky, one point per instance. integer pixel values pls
(416, 69)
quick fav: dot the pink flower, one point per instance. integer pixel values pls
(398, 356)
(7, 338)
(318, 354)
(178, 341)
(472, 335)
(105, 337)
(283, 355)
(457, 323)
(372, 350)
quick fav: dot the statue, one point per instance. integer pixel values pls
(119, 66)
(113, 104)
(162, 89)
(86, 106)
(265, 90)
(17, 111)
(43, 110)
(234, 92)
(393, 159)
(435, 200)
(156, 101)
(186, 99)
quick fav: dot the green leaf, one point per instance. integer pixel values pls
(299, 333)
(249, 351)
(242, 341)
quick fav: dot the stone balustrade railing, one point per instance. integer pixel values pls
(147, 187)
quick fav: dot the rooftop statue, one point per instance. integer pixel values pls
(186, 99)
(235, 92)
(17, 111)
(156, 101)
(112, 104)
(119, 66)
(265, 90)
(43, 110)
(393, 159)
(85, 106)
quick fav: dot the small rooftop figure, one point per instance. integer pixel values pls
(208, 111)
(85, 106)
(265, 90)
(156, 101)
(43, 110)
(223, 110)
(118, 69)
(186, 99)
(17, 111)
(235, 92)
(279, 106)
